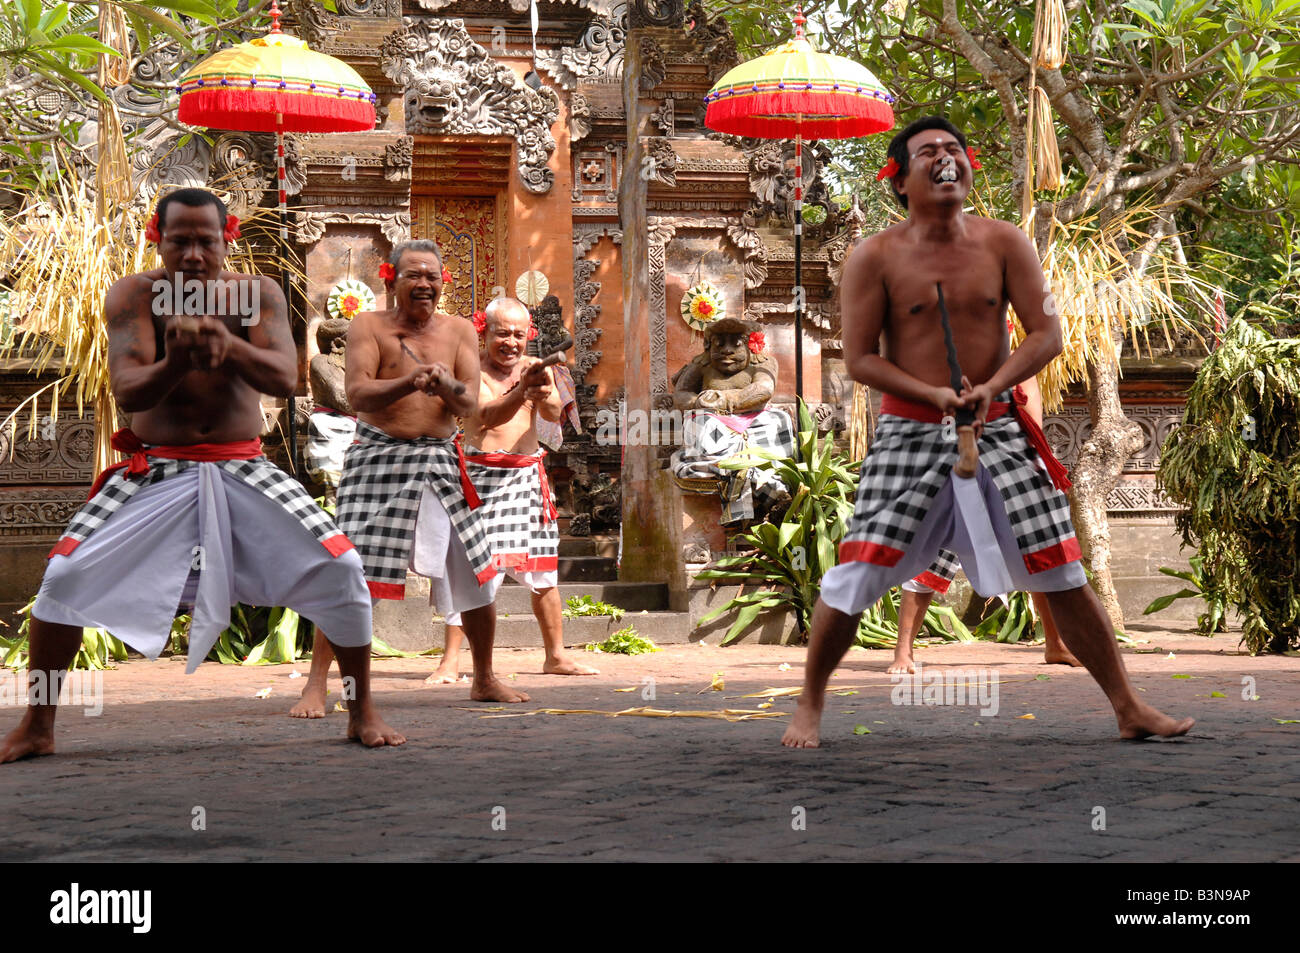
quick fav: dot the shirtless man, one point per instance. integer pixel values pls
(198, 515)
(918, 593)
(505, 465)
(1009, 524)
(405, 499)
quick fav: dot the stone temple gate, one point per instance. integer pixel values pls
(580, 154)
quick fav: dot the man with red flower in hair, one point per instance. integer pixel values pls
(198, 515)
(506, 466)
(724, 393)
(405, 498)
(925, 301)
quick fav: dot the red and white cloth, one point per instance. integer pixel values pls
(1009, 525)
(216, 523)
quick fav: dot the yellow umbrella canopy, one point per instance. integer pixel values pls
(797, 90)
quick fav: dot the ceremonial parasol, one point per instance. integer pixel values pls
(796, 91)
(275, 83)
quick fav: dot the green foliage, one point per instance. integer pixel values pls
(580, 606)
(1013, 619)
(1234, 464)
(879, 625)
(623, 642)
(1214, 618)
(789, 558)
(98, 649)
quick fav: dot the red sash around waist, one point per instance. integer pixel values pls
(126, 441)
(496, 458)
(928, 413)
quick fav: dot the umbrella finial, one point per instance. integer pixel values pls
(275, 16)
(799, 21)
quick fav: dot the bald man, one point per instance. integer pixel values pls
(504, 462)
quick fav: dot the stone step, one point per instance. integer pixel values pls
(631, 596)
(588, 569)
(605, 546)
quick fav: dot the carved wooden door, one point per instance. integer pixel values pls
(469, 232)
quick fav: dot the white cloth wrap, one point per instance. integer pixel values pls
(129, 575)
(967, 517)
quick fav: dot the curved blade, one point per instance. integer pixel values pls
(965, 416)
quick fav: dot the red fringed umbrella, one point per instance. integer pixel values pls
(792, 92)
(274, 83)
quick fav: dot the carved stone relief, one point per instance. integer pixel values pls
(660, 233)
(579, 118)
(664, 160)
(598, 55)
(653, 67)
(656, 12)
(585, 334)
(398, 159)
(665, 117)
(309, 226)
(454, 87)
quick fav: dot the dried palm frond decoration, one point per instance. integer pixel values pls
(1099, 299)
(1047, 157)
(1049, 34)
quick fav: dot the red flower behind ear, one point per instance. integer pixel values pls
(446, 277)
(974, 162)
(232, 227)
(480, 322)
(532, 330)
(756, 341)
(151, 233)
(889, 170)
(386, 272)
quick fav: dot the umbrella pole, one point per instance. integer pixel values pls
(798, 261)
(292, 425)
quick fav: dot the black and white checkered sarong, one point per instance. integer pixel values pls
(910, 461)
(379, 503)
(258, 472)
(517, 509)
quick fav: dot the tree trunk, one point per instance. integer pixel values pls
(1114, 439)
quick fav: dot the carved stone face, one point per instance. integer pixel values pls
(435, 97)
(728, 353)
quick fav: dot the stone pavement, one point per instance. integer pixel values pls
(926, 783)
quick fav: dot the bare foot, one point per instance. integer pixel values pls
(311, 704)
(902, 665)
(372, 731)
(26, 742)
(495, 691)
(1062, 656)
(804, 730)
(563, 665)
(441, 677)
(1144, 721)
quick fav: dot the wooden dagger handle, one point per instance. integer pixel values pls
(968, 453)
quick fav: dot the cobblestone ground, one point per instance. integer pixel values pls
(914, 783)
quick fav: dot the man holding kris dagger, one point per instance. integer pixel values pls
(956, 464)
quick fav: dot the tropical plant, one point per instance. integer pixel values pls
(98, 649)
(788, 559)
(1234, 464)
(1214, 619)
(625, 641)
(879, 626)
(1012, 619)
